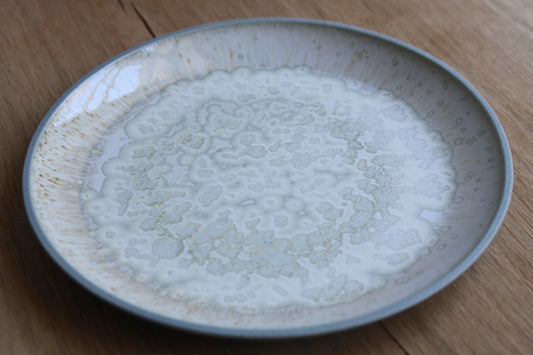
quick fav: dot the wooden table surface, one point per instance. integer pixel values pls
(46, 46)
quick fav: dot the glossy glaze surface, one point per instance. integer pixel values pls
(456, 124)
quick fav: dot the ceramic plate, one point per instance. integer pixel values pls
(268, 178)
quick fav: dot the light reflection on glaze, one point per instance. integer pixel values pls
(267, 189)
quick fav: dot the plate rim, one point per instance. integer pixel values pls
(261, 333)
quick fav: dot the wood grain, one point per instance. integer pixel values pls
(46, 46)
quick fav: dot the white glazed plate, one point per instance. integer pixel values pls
(268, 178)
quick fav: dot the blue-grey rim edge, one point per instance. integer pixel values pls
(281, 332)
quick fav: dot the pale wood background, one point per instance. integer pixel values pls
(46, 46)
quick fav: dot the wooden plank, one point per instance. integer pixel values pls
(489, 309)
(47, 46)
(51, 45)
(489, 42)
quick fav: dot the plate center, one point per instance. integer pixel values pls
(261, 190)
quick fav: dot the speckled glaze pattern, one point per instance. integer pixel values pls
(56, 169)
